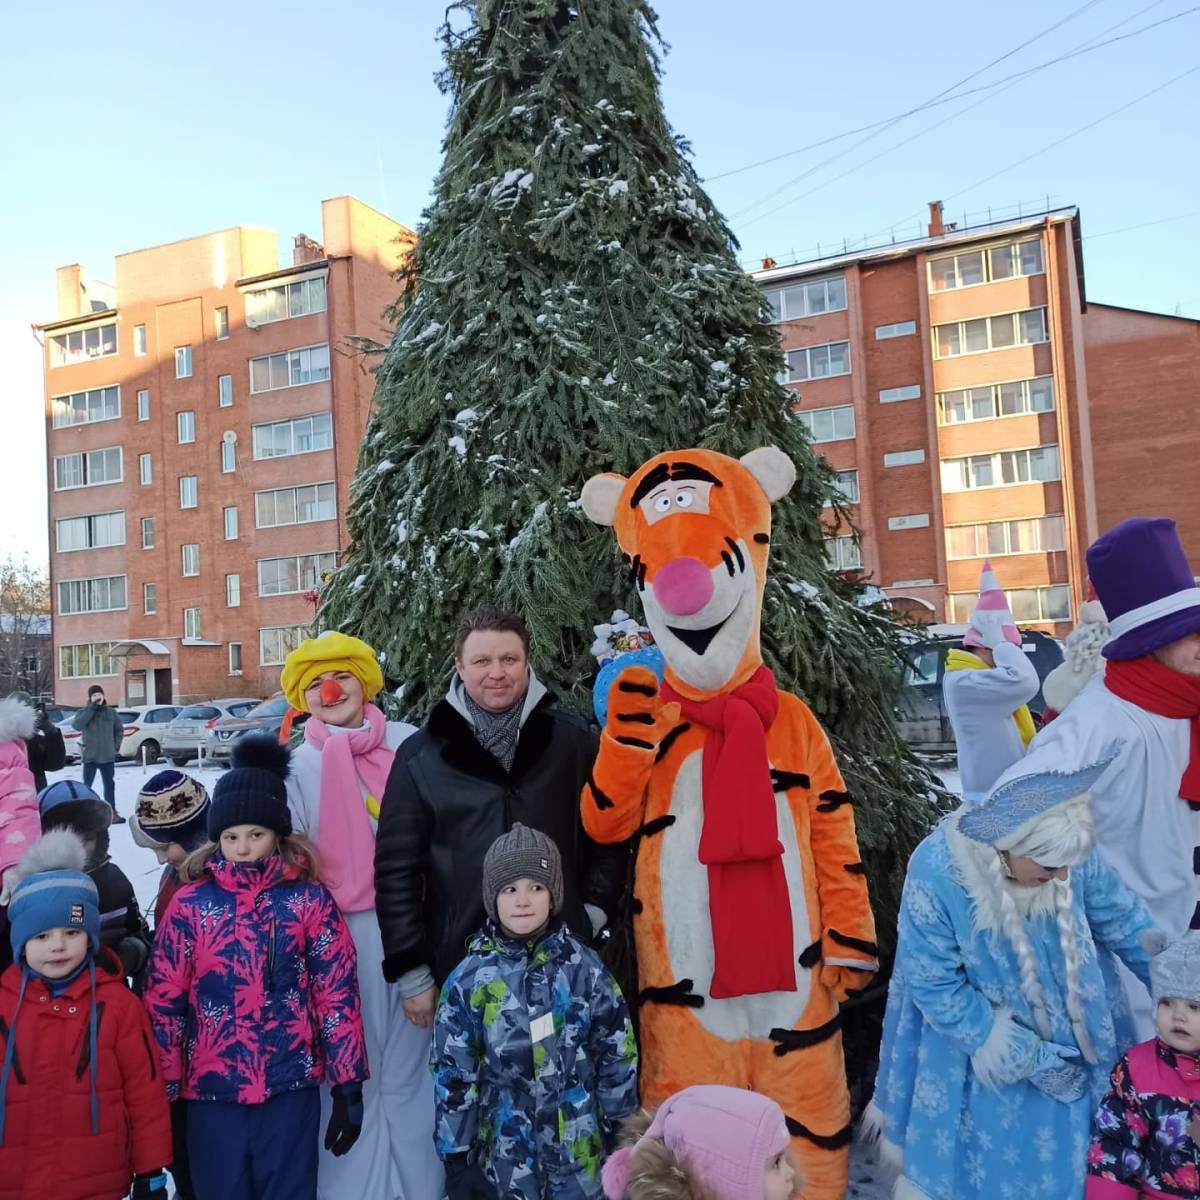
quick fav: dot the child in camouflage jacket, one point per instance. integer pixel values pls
(533, 1055)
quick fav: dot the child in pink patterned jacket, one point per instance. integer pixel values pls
(20, 825)
(253, 996)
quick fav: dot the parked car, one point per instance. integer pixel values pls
(921, 708)
(144, 728)
(267, 717)
(57, 714)
(184, 735)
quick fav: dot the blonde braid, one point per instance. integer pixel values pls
(1064, 910)
(1014, 927)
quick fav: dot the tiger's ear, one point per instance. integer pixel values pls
(772, 469)
(600, 496)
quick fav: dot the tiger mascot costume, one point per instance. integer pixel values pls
(751, 916)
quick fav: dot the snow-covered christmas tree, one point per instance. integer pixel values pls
(575, 305)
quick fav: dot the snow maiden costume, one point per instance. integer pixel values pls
(337, 780)
(999, 1030)
(742, 816)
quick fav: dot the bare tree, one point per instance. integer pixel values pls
(25, 645)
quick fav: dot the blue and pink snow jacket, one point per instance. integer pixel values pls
(252, 986)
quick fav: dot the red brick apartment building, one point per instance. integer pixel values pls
(974, 404)
(203, 425)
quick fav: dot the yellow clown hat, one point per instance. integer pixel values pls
(332, 651)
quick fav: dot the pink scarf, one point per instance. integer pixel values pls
(350, 761)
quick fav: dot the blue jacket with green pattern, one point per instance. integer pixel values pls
(533, 1061)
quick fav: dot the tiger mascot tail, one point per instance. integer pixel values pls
(751, 916)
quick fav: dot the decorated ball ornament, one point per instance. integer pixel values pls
(647, 656)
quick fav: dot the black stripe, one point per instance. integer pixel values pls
(648, 483)
(638, 689)
(1195, 918)
(16, 1060)
(763, 539)
(602, 800)
(855, 868)
(832, 800)
(854, 943)
(627, 741)
(678, 993)
(1196, 860)
(636, 718)
(738, 552)
(787, 1040)
(665, 745)
(687, 470)
(636, 906)
(811, 956)
(656, 826)
(728, 564)
(641, 577)
(832, 1141)
(151, 1055)
(635, 564)
(782, 781)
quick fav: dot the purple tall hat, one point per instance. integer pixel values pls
(1141, 576)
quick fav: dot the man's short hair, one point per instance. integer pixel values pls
(490, 619)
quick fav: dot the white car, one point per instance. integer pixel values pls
(144, 729)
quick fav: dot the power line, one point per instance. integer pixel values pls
(1091, 237)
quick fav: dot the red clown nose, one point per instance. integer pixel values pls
(331, 691)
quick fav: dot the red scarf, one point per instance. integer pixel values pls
(1148, 684)
(748, 903)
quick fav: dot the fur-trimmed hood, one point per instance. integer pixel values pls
(17, 719)
(58, 850)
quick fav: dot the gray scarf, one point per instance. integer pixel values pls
(497, 732)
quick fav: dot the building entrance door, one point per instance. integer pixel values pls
(162, 685)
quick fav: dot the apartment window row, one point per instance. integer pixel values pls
(972, 267)
(828, 424)
(1024, 328)
(84, 408)
(817, 362)
(79, 345)
(87, 468)
(1016, 398)
(294, 505)
(286, 300)
(301, 435)
(296, 573)
(86, 660)
(845, 489)
(1036, 465)
(807, 299)
(92, 532)
(289, 369)
(843, 553)
(1028, 535)
(105, 593)
(276, 642)
(1028, 605)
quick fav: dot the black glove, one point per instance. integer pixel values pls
(465, 1180)
(152, 1186)
(346, 1120)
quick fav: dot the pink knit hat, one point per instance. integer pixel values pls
(724, 1135)
(992, 599)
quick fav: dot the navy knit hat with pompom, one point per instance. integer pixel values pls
(254, 790)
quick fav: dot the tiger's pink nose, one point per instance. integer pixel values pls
(683, 586)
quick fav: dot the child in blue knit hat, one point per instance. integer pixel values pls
(83, 1110)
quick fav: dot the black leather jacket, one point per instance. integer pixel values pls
(447, 799)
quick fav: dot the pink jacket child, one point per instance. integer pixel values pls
(20, 825)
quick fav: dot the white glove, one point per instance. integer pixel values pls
(990, 624)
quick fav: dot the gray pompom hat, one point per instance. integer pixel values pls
(1176, 971)
(522, 853)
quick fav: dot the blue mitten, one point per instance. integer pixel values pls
(1056, 1076)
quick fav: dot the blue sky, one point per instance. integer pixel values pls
(138, 126)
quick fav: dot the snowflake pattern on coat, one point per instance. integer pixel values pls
(534, 1111)
(252, 986)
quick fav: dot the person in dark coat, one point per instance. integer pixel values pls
(103, 732)
(46, 749)
(496, 751)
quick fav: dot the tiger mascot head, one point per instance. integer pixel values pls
(694, 527)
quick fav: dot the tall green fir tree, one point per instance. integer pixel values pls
(574, 305)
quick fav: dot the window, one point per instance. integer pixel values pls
(289, 369)
(225, 391)
(900, 329)
(843, 553)
(87, 468)
(188, 490)
(294, 506)
(190, 553)
(91, 532)
(845, 489)
(298, 436)
(984, 266)
(1029, 535)
(221, 323)
(191, 623)
(276, 642)
(909, 521)
(139, 340)
(807, 299)
(818, 362)
(106, 593)
(147, 533)
(1051, 603)
(299, 573)
(288, 300)
(86, 660)
(891, 395)
(186, 424)
(235, 658)
(81, 344)
(229, 453)
(231, 523)
(83, 408)
(143, 401)
(828, 424)
(1038, 465)
(233, 590)
(1024, 328)
(997, 400)
(145, 469)
(183, 362)
(903, 458)
(149, 598)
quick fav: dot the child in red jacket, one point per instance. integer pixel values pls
(83, 1109)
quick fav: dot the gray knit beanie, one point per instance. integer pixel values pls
(1176, 971)
(522, 853)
